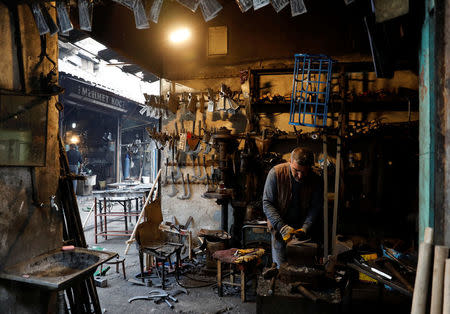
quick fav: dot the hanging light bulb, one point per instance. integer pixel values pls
(180, 35)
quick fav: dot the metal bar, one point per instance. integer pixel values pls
(106, 223)
(336, 193)
(125, 215)
(118, 150)
(381, 279)
(325, 197)
(95, 220)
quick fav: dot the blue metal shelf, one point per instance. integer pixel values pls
(310, 90)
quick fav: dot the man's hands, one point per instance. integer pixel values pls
(287, 232)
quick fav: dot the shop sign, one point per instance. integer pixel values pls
(94, 94)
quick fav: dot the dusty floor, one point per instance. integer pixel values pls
(114, 297)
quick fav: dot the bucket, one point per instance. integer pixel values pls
(91, 180)
(145, 180)
(102, 185)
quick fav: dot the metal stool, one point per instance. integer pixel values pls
(117, 262)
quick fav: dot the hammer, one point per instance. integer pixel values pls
(271, 274)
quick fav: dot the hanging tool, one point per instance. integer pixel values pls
(193, 158)
(174, 189)
(200, 177)
(172, 102)
(176, 175)
(211, 103)
(210, 187)
(187, 191)
(192, 105)
(203, 177)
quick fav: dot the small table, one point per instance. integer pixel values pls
(242, 262)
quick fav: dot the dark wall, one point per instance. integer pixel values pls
(25, 229)
(328, 27)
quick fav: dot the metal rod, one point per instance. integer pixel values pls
(325, 197)
(118, 150)
(336, 193)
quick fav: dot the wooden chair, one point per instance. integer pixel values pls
(152, 241)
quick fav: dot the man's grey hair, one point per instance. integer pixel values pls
(302, 156)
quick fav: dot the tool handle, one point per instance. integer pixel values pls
(193, 127)
(176, 128)
(168, 303)
(307, 293)
(199, 128)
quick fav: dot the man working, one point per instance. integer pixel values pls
(74, 157)
(292, 199)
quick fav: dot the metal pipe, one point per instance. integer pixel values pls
(325, 198)
(336, 193)
(118, 150)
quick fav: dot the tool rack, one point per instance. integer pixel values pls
(105, 210)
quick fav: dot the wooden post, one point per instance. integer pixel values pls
(421, 284)
(149, 196)
(440, 255)
(89, 215)
(446, 303)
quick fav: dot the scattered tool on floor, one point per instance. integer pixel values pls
(160, 295)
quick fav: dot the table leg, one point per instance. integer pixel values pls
(101, 217)
(163, 277)
(242, 285)
(141, 264)
(178, 260)
(129, 209)
(231, 273)
(125, 215)
(106, 225)
(123, 269)
(219, 279)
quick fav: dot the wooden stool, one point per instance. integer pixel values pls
(117, 262)
(230, 257)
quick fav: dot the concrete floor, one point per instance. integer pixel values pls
(114, 297)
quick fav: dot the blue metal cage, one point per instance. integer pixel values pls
(310, 90)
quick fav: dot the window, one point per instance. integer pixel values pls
(217, 41)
